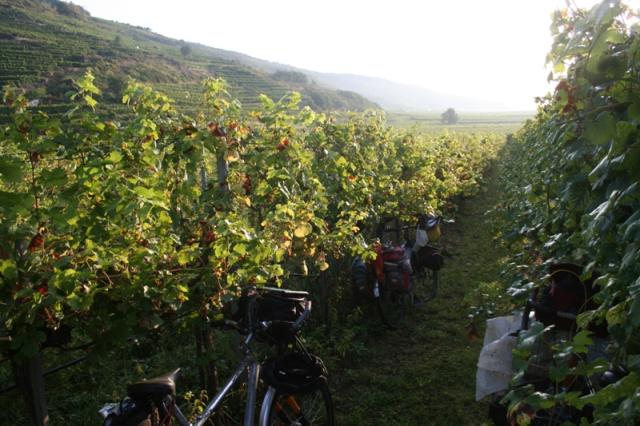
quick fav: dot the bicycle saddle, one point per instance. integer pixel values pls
(162, 385)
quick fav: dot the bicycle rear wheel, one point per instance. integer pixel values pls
(314, 408)
(392, 307)
(435, 280)
(427, 281)
(421, 279)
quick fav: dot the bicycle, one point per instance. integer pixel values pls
(556, 306)
(394, 282)
(391, 281)
(297, 391)
(425, 257)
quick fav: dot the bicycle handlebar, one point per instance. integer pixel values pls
(402, 228)
(296, 325)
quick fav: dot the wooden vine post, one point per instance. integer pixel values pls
(325, 279)
(30, 380)
(208, 372)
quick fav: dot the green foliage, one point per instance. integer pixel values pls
(116, 228)
(572, 189)
(113, 228)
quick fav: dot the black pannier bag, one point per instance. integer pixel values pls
(129, 413)
(277, 306)
(280, 306)
(295, 373)
(430, 257)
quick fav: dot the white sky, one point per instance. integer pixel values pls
(484, 49)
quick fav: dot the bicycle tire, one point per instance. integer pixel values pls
(391, 307)
(420, 279)
(314, 408)
(426, 283)
(435, 280)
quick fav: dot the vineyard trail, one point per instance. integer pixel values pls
(424, 373)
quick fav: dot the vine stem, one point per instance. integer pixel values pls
(34, 182)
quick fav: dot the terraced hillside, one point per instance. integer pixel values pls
(44, 44)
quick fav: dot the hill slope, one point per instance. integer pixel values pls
(388, 94)
(48, 42)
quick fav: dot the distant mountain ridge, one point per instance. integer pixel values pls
(387, 94)
(49, 42)
(403, 97)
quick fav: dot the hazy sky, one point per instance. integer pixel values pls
(489, 49)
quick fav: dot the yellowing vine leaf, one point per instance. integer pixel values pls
(302, 230)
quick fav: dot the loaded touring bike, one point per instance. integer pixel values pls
(405, 267)
(294, 381)
(555, 305)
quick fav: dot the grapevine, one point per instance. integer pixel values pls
(115, 228)
(572, 176)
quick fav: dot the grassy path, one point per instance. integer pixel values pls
(424, 374)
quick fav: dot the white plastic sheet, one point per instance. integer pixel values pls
(422, 239)
(495, 361)
(499, 326)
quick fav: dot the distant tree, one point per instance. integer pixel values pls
(450, 116)
(115, 88)
(69, 9)
(117, 41)
(318, 99)
(185, 49)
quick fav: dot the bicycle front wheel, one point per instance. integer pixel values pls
(313, 408)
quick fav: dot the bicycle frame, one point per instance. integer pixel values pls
(168, 407)
(252, 367)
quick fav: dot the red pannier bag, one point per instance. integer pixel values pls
(393, 268)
